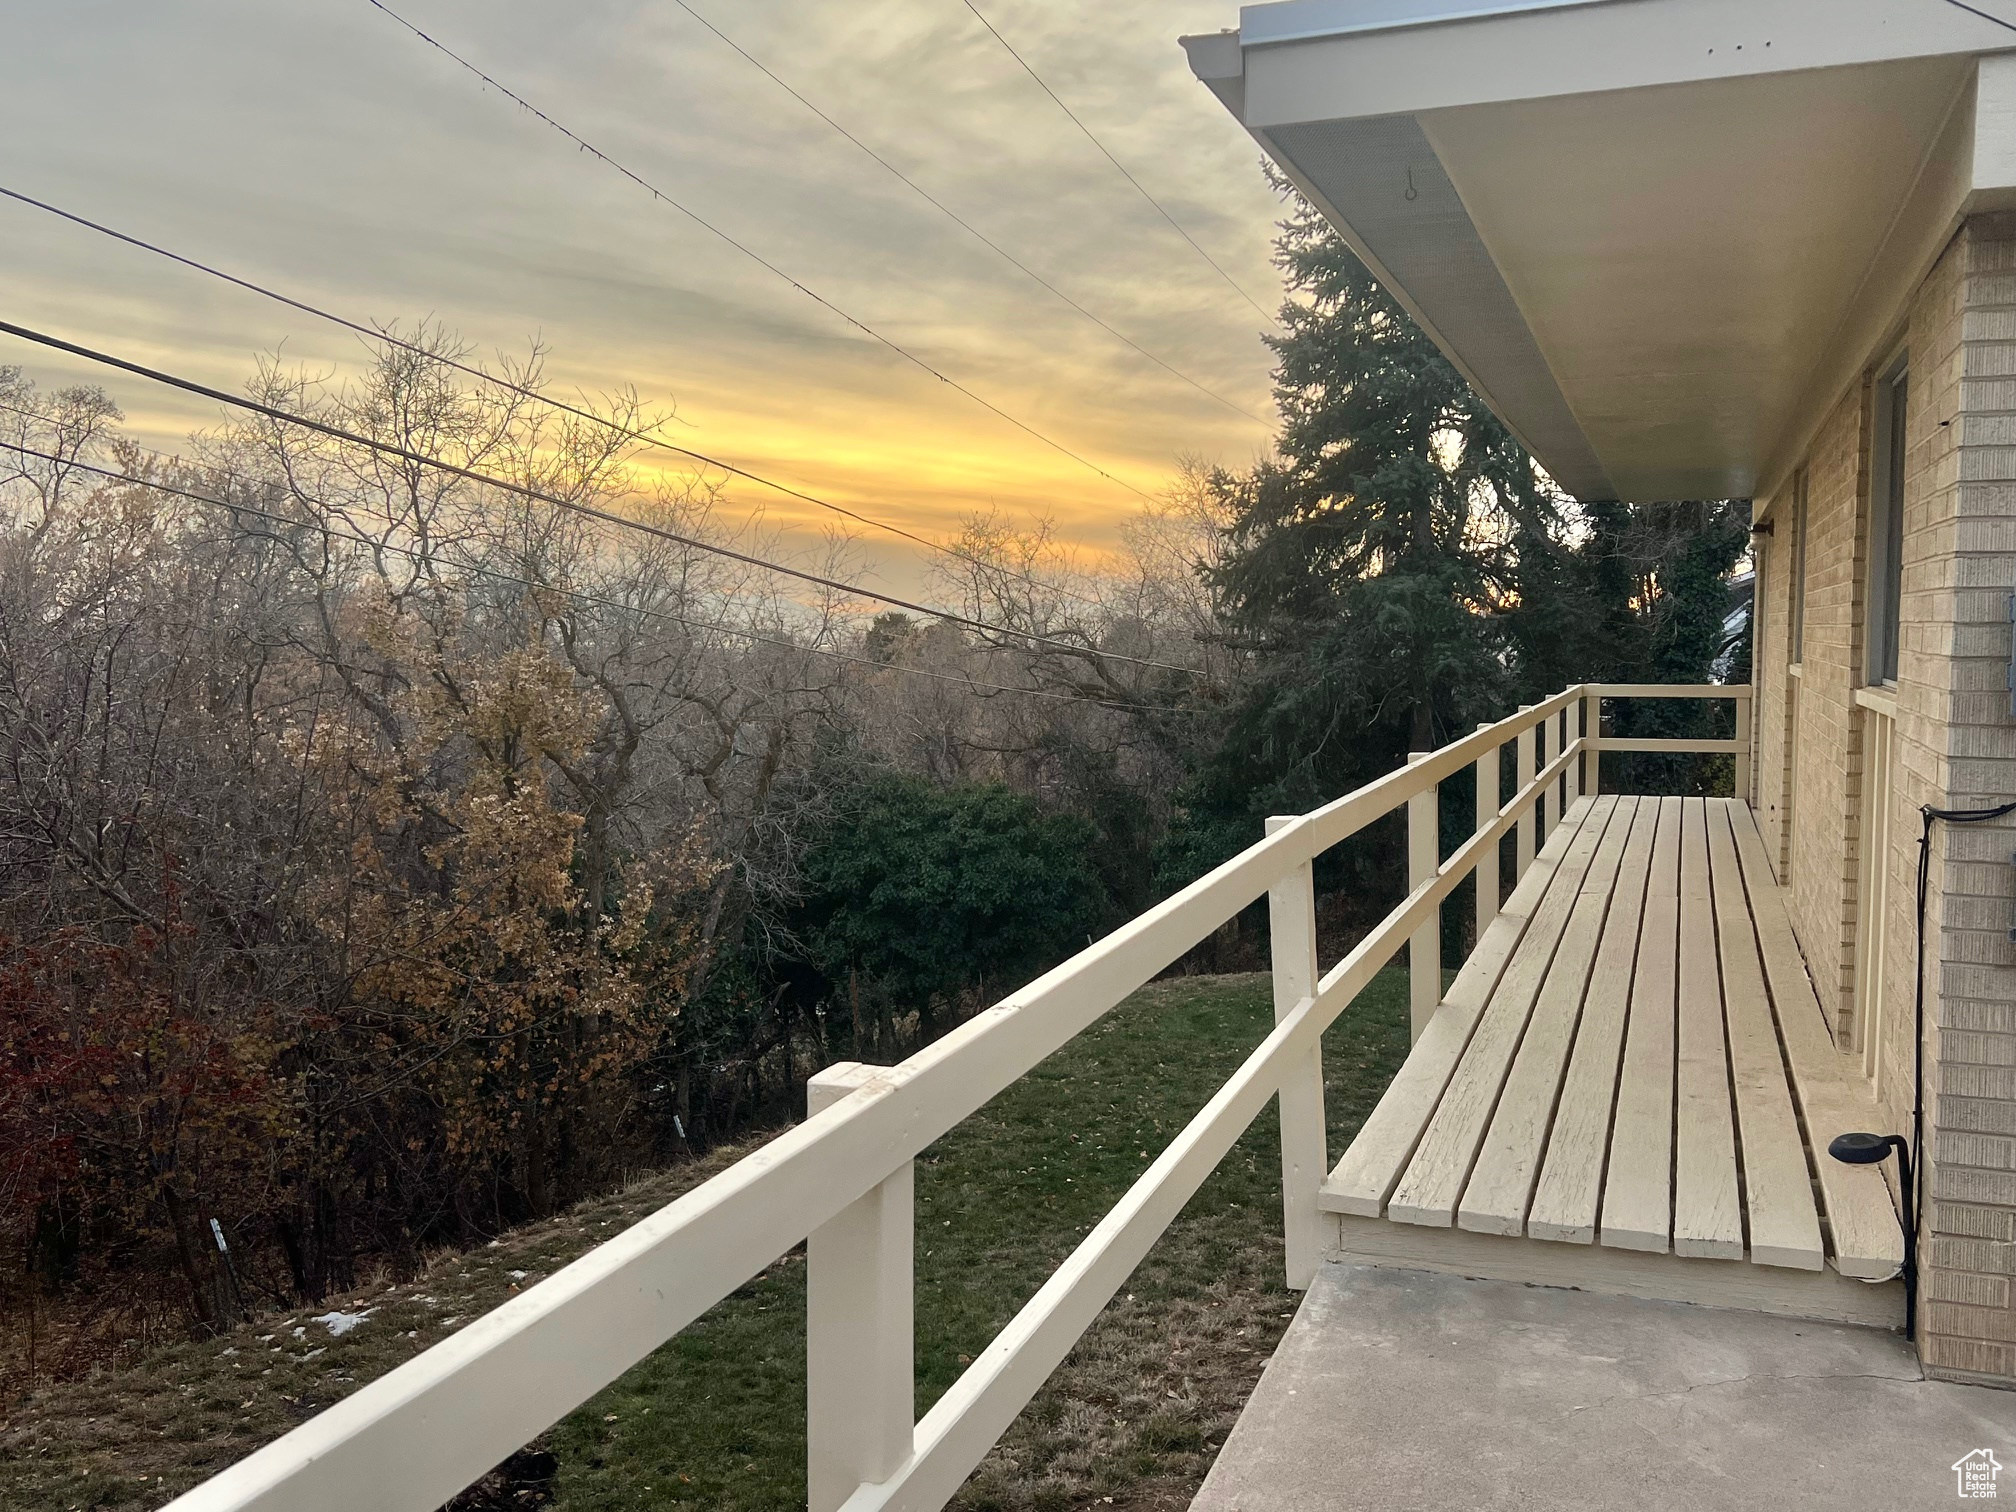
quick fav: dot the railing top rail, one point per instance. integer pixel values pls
(1338, 821)
(1668, 690)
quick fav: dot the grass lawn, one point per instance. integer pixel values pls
(715, 1419)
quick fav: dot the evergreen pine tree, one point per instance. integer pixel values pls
(1371, 565)
(1401, 570)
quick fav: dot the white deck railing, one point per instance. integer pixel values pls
(410, 1440)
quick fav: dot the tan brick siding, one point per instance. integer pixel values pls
(1823, 772)
(1953, 745)
(1960, 566)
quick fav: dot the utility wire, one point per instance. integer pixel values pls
(420, 558)
(747, 251)
(387, 338)
(1139, 187)
(2005, 25)
(574, 506)
(960, 221)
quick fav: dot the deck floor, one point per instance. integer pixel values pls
(1633, 1059)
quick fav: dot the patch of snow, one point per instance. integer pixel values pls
(339, 1323)
(313, 1353)
(516, 1275)
(227, 1354)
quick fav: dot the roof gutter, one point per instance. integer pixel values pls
(1307, 20)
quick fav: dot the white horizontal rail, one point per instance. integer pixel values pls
(1739, 747)
(1668, 690)
(955, 1435)
(412, 1439)
(1338, 821)
(1673, 747)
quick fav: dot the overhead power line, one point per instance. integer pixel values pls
(756, 257)
(572, 506)
(323, 527)
(960, 221)
(2005, 25)
(1105, 152)
(387, 338)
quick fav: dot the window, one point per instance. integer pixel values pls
(1760, 577)
(1796, 609)
(1886, 525)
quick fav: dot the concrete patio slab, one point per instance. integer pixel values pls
(1398, 1388)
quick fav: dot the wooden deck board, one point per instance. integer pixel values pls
(1867, 1241)
(1570, 1192)
(1638, 1192)
(1371, 1167)
(1435, 1177)
(1501, 1184)
(1633, 1059)
(1777, 1187)
(1707, 1206)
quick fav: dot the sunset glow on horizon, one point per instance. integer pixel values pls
(337, 158)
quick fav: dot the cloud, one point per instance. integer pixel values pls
(326, 150)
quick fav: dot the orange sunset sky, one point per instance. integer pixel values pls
(325, 150)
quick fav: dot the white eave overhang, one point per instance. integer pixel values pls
(1660, 237)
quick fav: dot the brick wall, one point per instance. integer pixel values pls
(1960, 565)
(1953, 744)
(1823, 774)
(1924, 696)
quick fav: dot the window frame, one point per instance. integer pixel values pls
(1795, 593)
(1890, 450)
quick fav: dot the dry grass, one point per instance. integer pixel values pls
(715, 1418)
(133, 1437)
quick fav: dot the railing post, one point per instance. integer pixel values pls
(1305, 1158)
(1571, 781)
(860, 1369)
(1424, 950)
(1487, 863)
(1592, 731)
(1743, 793)
(1526, 769)
(1549, 733)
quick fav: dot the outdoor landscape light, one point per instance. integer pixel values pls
(1869, 1149)
(1874, 1149)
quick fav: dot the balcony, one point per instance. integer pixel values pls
(1622, 1091)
